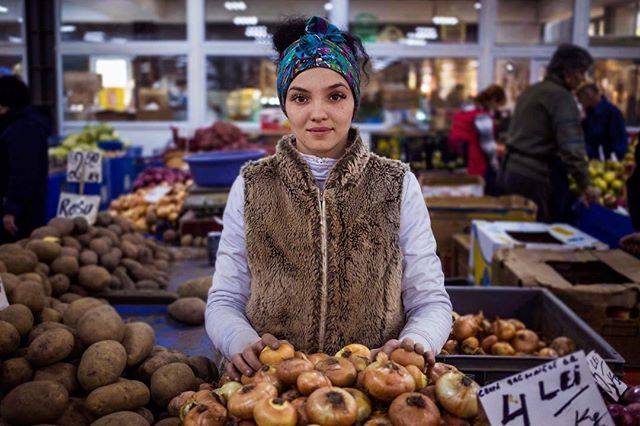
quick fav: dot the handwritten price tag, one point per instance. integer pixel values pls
(604, 377)
(73, 205)
(84, 166)
(560, 392)
(4, 302)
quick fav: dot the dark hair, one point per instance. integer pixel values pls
(14, 94)
(292, 28)
(569, 58)
(491, 93)
(590, 86)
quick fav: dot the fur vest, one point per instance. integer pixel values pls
(326, 266)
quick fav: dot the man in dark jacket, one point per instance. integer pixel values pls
(603, 124)
(545, 141)
(23, 161)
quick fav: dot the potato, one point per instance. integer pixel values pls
(42, 328)
(169, 421)
(88, 257)
(60, 372)
(198, 287)
(129, 250)
(3, 267)
(111, 260)
(59, 306)
(40, 279)
(147, 285)
(101, 364)
(203, 368)
(189, 310)
(119, 396)
(78, 308)
(43, 268)
(138, 341)
(50, 347)
(157, 360)
(62, 224)
(50, 314)
(121, 418)
(146, 413)
(34, 402)
(46, 231)
(69, 297)
(9, 338)
(67, 265)
(18, 260)
(70, 252)
(100, 246)
(100, 323)
(14, 372)
(94, 278)
(10, 282)
(76, 414)
(45, 251)
(30, 294)
(170, 380)
(71, 242)
(20, 316)
(80, 225)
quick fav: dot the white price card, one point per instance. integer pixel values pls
(4, 302)
(604, 377)
(84, 166)
(155, 194)
(74, 205)
(558, 393)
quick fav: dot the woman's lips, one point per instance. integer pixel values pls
(319, 130)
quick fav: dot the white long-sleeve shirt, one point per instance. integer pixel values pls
(426, 303)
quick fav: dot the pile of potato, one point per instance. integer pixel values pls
(69, 256)
(78, 363)
(476, 335)
(191, 304)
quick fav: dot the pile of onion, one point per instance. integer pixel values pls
(476, 335)
(627, 411)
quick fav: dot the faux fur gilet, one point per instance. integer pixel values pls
(326, 266)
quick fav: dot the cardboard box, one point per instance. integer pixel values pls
(600, 286)
(461, 248)
(453, 215)
(488, 237)
(451, 185)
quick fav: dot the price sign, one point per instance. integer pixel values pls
(84, 166)
(604, 377)
(155, 194)
(74, 205)
(560, 392)
(4, 302)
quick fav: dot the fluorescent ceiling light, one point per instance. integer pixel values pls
(445, 20)
(328, 6)
(4, 9)
(245, 20)
(113, 71)
(67, 28)
(477, 5)
(424, 33)
(235, 5)
(256, 31)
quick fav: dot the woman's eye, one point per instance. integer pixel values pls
(299, 99)
(337, 96)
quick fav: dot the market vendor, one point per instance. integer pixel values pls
(325, 243)
(23, 161)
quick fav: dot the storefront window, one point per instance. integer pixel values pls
(415, 22)
(614, 22)
(11, 12)
(123, 20)
(11, 65)
(513, 75)
(255, 20)
(620, 82)
(125, 87)
(534, 21)
(434, 88)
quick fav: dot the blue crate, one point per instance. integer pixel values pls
(603, 223)
(54, 187)
(219, 168)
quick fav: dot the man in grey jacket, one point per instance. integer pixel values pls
(545, 141)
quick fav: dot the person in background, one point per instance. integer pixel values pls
(473, 133)
(633, 192)
(545, 141)
(23, 161)
(603, 125)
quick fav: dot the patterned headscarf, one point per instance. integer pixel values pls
(322, 46)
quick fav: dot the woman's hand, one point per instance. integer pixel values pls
(408, 345)
(247, 362)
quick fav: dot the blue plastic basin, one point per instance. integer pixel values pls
(219, 168)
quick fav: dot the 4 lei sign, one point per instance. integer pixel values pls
(560, 392)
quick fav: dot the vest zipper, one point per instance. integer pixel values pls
(323, 300)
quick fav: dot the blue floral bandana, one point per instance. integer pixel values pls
(323, 46)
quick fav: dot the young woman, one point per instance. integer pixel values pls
(324, 243)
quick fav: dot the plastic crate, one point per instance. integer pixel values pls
(603, 223)
(54, 187)
(219, 168)
(541, 311)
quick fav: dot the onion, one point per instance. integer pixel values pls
(464, 327)
(288, 370)
(266, 374)
(413, 408)
(387, 381)
(437, 370)
(331, 406)
(488, 342)
(503, 349)
(228, 389)
(300, 405)
(309, 381)
(316, 358)
(620, 415)
(354, 349)
(458, 394)
(242, 402)
(362, 402)
(379, 419)
(274, 412)
(418, 376)
(203, 415)
(429, 392)
(451, 420)
(270, 356)
(548, 352)
(178, 401)
(470, 345)
(406, 358)
(451, 347)
(291, 394)
(634, 410)
(563, 345)
(632, 394)
(525, 341)
(340, 371)
(504, 329)
(519, 325)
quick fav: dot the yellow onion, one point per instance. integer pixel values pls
(418, 376)
(504, 329)
(451, 347)
(502, 349)
(309, 381)
(300, 405)
(548, 352)
(379, 419)
(270, 356)
(519, 325)
(177, 402)
(464, 327)
(331, 406)
(563, 345)
(288, 370)
(458, 394)
(275, 412)
(242, 402)
(404, 358)
(488, 342)
(387, 381)
(354, 349)
(202, 415)
(340, 371)
(362, 402)
(228, 389)
(525, 341)
(317, 357)
(470, 345)
(413, 408)
(435, 371)
(266, 374)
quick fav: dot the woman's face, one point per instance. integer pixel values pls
(320, 107)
